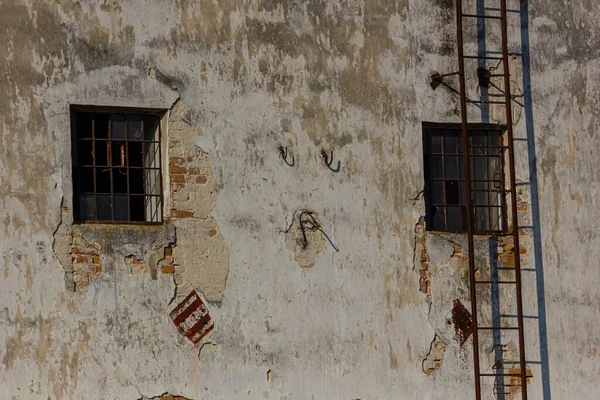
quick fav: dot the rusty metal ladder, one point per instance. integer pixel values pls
(500, 14)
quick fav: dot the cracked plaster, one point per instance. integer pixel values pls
(351, 76)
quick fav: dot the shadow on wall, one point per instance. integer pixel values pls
(523, 15)
(535, 205)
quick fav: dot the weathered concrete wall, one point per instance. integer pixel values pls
(84, 311)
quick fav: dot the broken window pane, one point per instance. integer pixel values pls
(135, 127)
(454, 219)
(118, 127)
(121, 205)
(435, 167)
(436, 144)
(438, 219)
(86, 208)
(104, 208)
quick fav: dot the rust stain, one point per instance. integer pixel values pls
(192, 319)
(511, 387)
(462, 320)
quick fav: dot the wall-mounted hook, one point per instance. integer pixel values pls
(283, 153)
(329, 161)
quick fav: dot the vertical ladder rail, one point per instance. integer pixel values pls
(513, 198)
(469, 213)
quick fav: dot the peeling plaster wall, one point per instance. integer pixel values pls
(236, 80)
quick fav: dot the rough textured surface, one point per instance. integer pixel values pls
(236, 80)
(201, 256)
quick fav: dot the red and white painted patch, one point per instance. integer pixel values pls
(192, 319)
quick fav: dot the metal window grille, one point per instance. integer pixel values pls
(117, 172)
(445, 196)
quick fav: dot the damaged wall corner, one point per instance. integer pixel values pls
(201, 255)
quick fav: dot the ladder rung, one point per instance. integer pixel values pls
(496, 282)
(499, 10)
(489, 328)
(484, 57)
(482, 16)
(485, 102)
(499, 374)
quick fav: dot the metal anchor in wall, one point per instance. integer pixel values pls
(283, 153)
(329, 161)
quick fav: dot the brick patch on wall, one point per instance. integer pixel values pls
(422, 258)
(435, 358)
(182, 172)
(86, 262)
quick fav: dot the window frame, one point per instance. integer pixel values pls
(474, 129)
(160, 114)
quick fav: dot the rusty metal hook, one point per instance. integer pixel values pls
(283, 153)
(329, 161)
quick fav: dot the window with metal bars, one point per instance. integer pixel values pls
(445, 194)
(117, 175)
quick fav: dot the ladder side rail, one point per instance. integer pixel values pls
(471, 246)
(513, 198)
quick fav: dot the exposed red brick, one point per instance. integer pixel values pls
(194, 171)
(96, 260)
(212, 233)
(168, 269)
(177, 170)
(176, 162)
(135, 260)
(181, 214)
(201, 179)
(180, 178)
(176, 186)
(80, 259)
(189, 159)
(168, 251)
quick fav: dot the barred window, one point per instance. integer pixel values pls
(116, 166)
(445, 194)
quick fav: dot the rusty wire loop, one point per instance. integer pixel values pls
(329, 161)
(283, 153)
(312, 224)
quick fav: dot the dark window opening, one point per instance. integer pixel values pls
(117, 174)
(445, 193)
